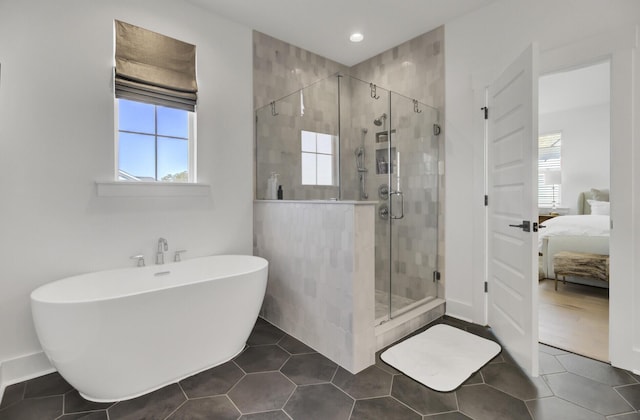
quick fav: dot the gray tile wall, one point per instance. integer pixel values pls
(414, 69)
(320, 287)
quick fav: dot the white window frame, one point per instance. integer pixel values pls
(333, 155)
(191, 165)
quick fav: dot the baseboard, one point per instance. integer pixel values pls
(22, 368)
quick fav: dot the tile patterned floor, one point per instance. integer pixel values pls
(278, 377)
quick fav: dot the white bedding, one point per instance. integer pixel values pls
(574, 225)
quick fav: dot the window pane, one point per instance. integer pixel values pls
(173, 122)
(308, 168)
(173, 160)
(325, 170)
(325, 143)
(137, 156)
(308, 141)
(136, 116)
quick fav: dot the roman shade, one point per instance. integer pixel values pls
(154, 68)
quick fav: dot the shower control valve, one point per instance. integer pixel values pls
(383, 212)
(383, 192)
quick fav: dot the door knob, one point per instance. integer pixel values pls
(525, 225)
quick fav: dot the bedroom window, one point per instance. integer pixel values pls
(549, 161)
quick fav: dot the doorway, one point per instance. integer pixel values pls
(573, 202)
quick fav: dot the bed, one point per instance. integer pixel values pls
(586, 232)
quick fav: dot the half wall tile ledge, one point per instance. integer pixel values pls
(151, 189)
(351, 202)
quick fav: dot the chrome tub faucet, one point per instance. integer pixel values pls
(162, 246)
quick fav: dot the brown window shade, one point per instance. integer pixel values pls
(154, 68)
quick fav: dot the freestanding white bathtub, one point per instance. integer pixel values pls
(118, 334)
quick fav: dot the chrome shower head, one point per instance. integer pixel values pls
(378, 121)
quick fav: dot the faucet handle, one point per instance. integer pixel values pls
(176, 258)
(140, 259)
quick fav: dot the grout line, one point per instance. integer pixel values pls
(176, 409)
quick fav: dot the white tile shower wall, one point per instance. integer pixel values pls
(320, 287)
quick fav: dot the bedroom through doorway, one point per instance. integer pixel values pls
(573, 203)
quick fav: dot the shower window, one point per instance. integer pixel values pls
(318, 156)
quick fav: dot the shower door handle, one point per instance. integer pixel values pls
(401, 195)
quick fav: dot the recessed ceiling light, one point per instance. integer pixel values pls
(356, 37)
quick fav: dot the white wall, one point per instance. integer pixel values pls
(478, 46)
(57, 139)
(585, 149)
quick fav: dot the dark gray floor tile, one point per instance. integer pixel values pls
(307, 369)
(319, 402)
(90, 415)
(264, 333)
(47, 385)
(13, 394)
(74, 403)
(549, 364)
(553, 351)
(155, 405)
(294, 346)
(371, 382)
(382, 408)
(628, 416)
(456, 415)
(497, 359)
(214, 381)
(219, 408)
(382, 365)
(421, 398)
(261, 392)
(481, 402)
(631, 393)
(454, 322)
(269, 415)
(555, 408)
(512, 380)
(47, 408)
(474, 379)
(484, 332)
(593, 369)
(262, 359)
(587, 393)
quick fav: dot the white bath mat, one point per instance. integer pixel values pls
(442, 357)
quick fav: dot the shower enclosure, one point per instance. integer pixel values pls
(345, 139)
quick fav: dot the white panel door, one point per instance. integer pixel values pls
(512, 155)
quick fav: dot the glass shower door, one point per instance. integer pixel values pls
(413, 203)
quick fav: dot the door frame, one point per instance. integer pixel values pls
(621, 47)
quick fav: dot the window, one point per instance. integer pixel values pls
(549, 160)
(318, 157)
(155, 143)
(156, 93)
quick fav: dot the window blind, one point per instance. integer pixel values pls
(154, 68)
(549, 154)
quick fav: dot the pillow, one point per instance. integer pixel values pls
(599, 207)
(599, 195)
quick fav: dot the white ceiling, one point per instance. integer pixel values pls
(585, 86)
(324, 26)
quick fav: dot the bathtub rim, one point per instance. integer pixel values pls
(38, 294)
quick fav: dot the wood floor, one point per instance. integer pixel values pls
(575, 318)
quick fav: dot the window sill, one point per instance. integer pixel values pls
(151, 189)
